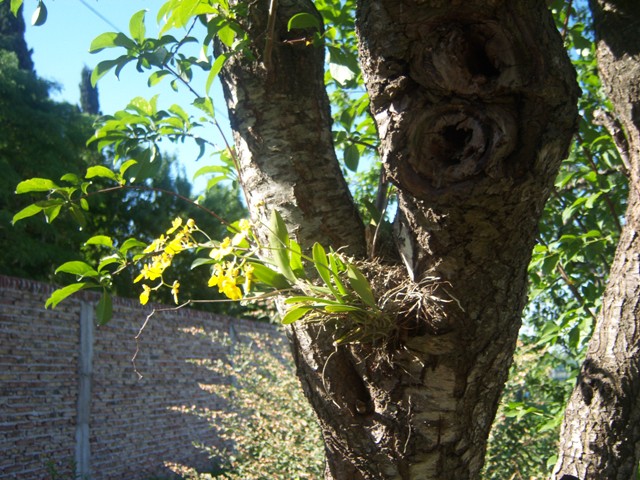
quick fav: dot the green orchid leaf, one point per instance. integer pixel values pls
(295, 313)
(279, 245)
(361, 286)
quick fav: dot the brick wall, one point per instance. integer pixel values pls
(140, 422)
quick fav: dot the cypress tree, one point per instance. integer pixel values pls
(12, 30)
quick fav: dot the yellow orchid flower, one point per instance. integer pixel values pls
(144, 296)
(174, 225)
(225, 248)
(174, 290)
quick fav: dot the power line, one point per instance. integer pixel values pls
(100, 16)
(112, 25)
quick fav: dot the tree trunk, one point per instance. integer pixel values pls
(475, 105)
(281, 122)
(600, 435)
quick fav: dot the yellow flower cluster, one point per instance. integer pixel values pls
(164, 248)
(226, 277)
(225, 280)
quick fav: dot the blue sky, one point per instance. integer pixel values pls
(61, 49)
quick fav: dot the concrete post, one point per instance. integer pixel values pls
(85, 367)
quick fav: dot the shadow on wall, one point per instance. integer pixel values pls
(142, 424)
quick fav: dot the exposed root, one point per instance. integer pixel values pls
(405, 308)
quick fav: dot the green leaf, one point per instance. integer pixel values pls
(26, 212)
(102, 41)
(51, 213)
(549, 264)
(540, 248)
(574, 337)
(126, 165)
(100, 171)
(39, 16)
(144, 106)
(295, 254)
(15, 6)
(121, 62)
(214, 181)
(78, 268)
(156, 77)
(130, 243)
(136, 26)
(102, 69)
(322, 266)
(58, 295)
(201, 261)
(71, 178)
(215, 69)
(49, 203)
(110, 260)
(592, 199)
(295, 313)
(267, 276)
(335, 267)
(206, 105)
(104, 309)
(36, 185)
(342, 308)
(553, 459)
(303, 20)
(179, 111)
(568, 212)
(279, 244)
(100, 240)
(352, 157)
(361, 286)
(316, 301)
(209, 169)
(227, 35)
(341, 73)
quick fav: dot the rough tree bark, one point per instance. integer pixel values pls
(600, 435)
(475, 106)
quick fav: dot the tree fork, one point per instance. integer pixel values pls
(475, 105)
